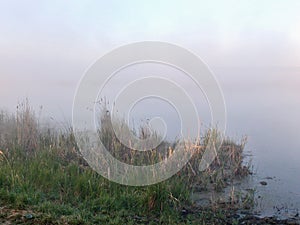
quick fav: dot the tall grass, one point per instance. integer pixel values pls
(42, 169)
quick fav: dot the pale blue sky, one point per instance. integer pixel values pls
(47, 45)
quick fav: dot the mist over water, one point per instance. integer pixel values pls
(264, 104)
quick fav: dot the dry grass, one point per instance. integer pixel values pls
(22, 132)
(41, 168)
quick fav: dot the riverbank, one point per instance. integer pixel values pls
(45, 180)
(47, 188)
(52, 186)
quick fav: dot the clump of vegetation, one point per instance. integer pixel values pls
(227, 165)
(44, 178)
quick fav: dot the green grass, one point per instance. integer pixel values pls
(46, 185)
(59, 193)
(44, 179)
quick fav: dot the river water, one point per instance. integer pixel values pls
(264, 104)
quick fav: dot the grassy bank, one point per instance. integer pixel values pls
(44, 179)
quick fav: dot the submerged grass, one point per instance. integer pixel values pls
(45, 180)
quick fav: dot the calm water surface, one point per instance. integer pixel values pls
(266, 107)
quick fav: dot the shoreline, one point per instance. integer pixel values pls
(45, 179)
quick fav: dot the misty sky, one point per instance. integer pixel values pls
(46, 46)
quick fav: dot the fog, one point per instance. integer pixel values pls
(252, 48)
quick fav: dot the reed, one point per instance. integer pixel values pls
(42, 170)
